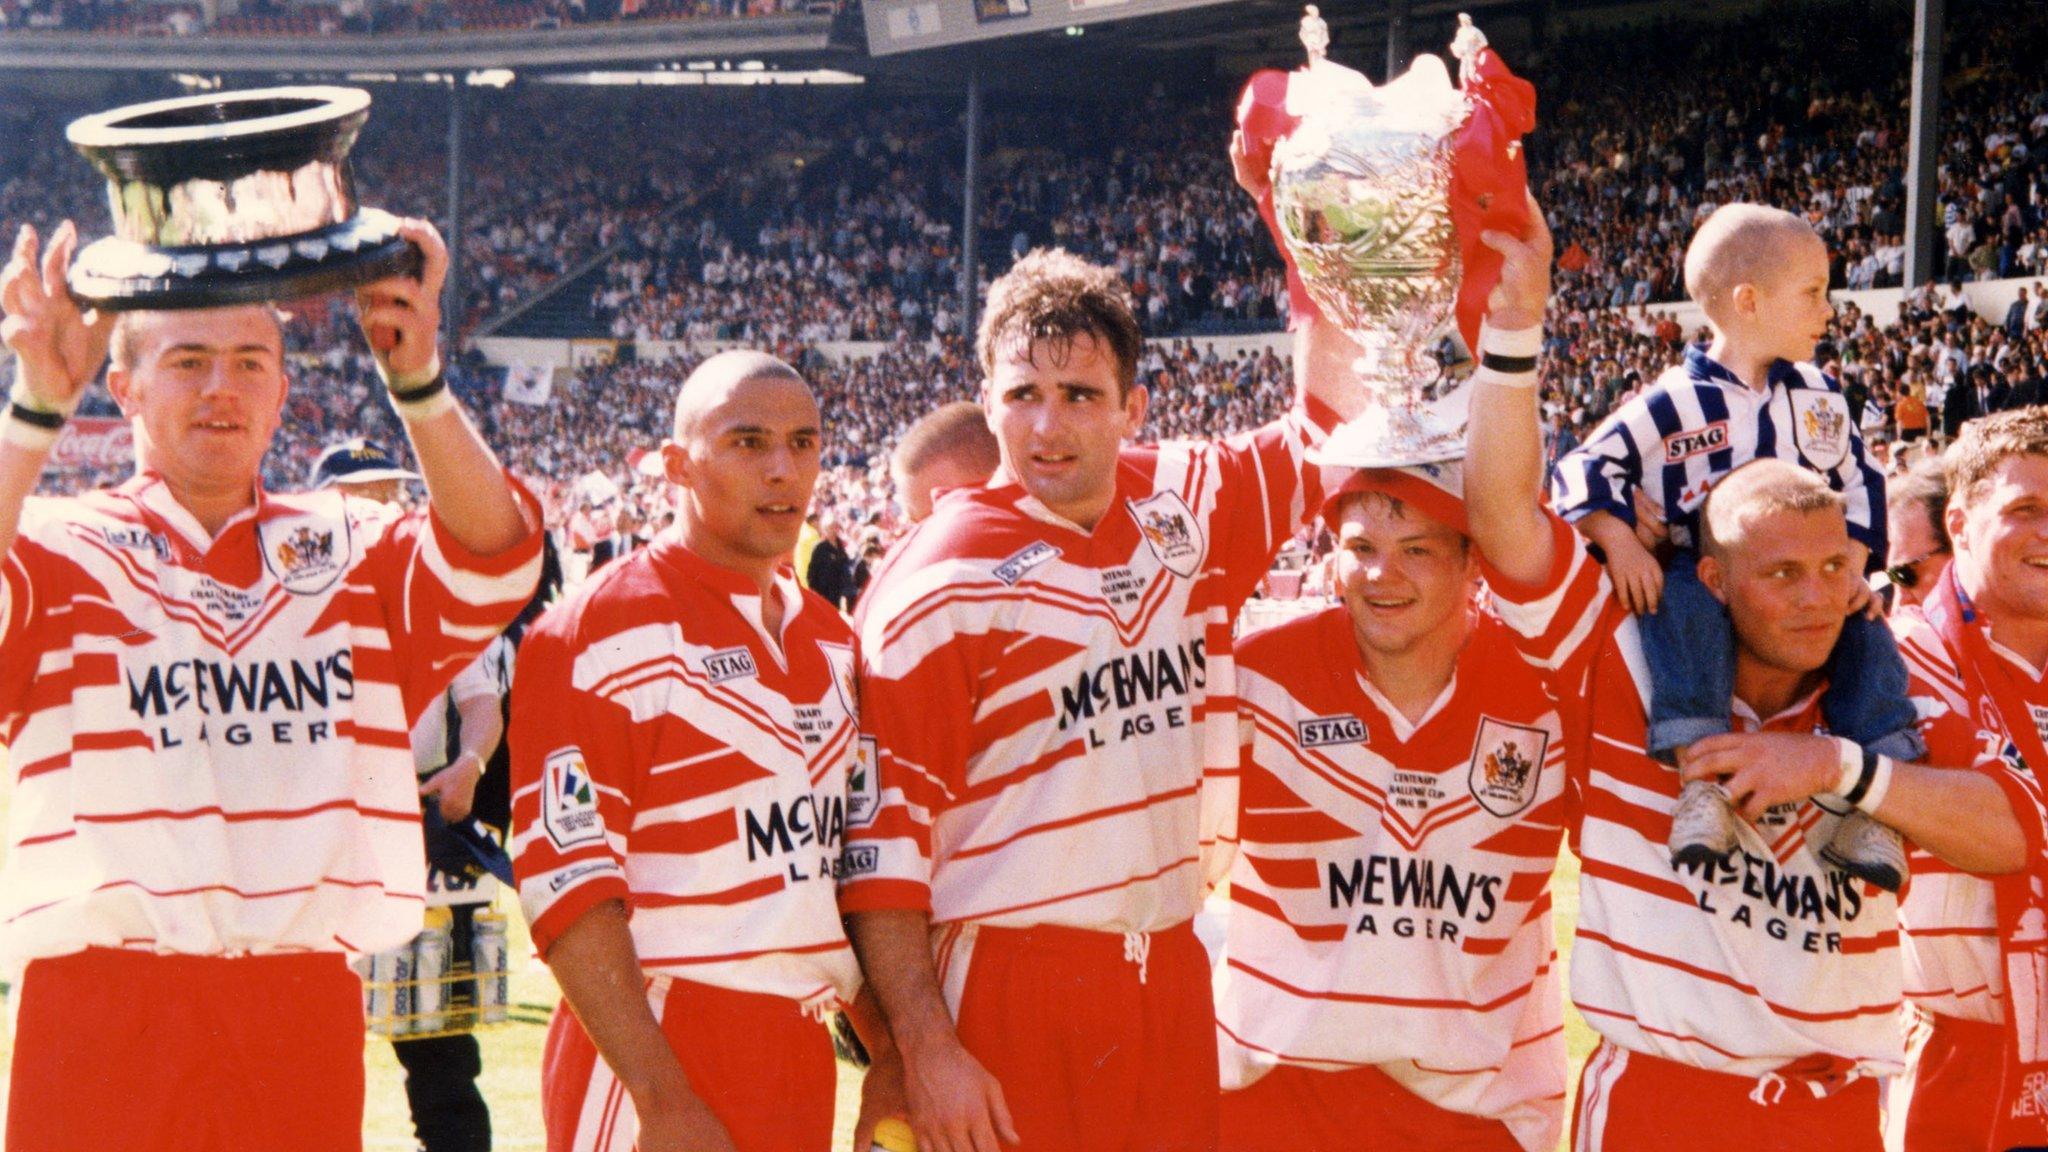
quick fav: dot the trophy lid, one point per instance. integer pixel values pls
(222, 135)
(232, 197)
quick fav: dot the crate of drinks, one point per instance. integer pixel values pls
(453, 977)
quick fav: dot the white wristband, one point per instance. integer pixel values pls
(1851, 759)
(410, 379)
(1880, 783)
(441, 401)
(20, 394)
(25, 435)
(1518, 342)
(1520, 346)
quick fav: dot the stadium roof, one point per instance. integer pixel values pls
(1064, 42)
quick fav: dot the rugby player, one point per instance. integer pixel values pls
(1751, 1002)
(1388, 966)
(683, 729)
(950, 447)
(1046, 674)
(205, 693)
(1976, 644)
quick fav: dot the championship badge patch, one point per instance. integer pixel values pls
(1170, 531)
(568, 809)
(1820, 427)
(1507, 762)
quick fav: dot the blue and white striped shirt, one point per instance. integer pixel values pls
(1698, 423)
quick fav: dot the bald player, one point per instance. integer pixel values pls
(1750, 1002)
(1761, 274)
(949, 448)
(683, 728)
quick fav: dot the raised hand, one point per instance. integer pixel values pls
(1517, 302)
(58, 347)
(401, 315)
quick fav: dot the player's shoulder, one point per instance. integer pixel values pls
(1293, 643)
(625, 592)
(972, 532)
(821, 616)
(1920, 643)
(47, 519)
(1806, 374)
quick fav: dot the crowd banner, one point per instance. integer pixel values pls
(530, 384)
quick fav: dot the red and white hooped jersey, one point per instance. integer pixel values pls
(1949, 917)
(1390, 894)
(670, 754)
(1765, 958)
(209, 738)
(1045, 699)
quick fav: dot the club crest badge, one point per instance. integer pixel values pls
(307, 553)
(1170, 531)
(1507, 763)
(839, 658)
(1820, 427)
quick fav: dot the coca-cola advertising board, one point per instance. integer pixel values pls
(94, 442)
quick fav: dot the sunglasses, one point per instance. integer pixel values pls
(1907, 574)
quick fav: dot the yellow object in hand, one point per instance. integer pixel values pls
(893, 1135)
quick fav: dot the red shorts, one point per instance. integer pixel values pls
(764, 1068)
(1096, 1052)
(1954, 1084)
(137, 1051)
(1630, 1101)
(1294, 1109)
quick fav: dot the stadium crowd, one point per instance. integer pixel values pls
(794, 221)
(1917, 378)
(231, 18)
(770, 215)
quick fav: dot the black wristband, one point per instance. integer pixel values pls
(424, 392)
(1511, 365)
(47, 421)
(1855, 795)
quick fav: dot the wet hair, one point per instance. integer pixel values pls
(1990, 441)
(1054, 297)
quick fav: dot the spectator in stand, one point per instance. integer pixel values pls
(1909, 415)
(829, 571)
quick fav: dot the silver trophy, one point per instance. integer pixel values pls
(1361, 193)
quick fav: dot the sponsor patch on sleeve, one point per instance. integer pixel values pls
(863, 786)
(858, 860)
(568, 808)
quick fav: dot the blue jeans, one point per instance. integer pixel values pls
(1689, 645)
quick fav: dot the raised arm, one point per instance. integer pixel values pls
(1504, 439)
(401, 319)
(58, 350)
